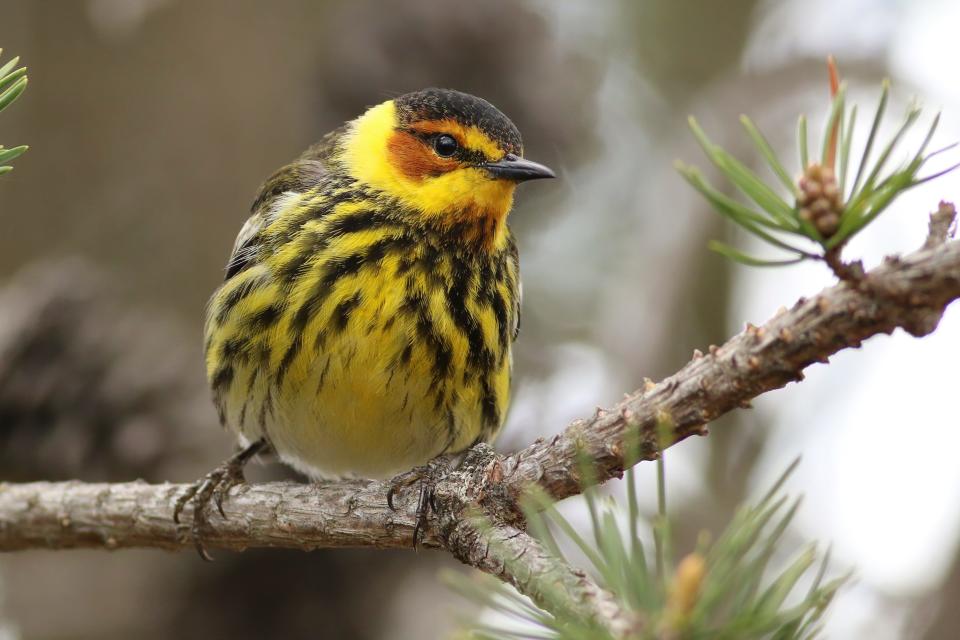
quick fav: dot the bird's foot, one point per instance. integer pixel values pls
(215, 485)
(427, 476)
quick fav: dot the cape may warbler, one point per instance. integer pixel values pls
(371, 299)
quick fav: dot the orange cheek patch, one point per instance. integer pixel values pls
(414, 159)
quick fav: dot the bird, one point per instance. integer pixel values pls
(365, 323)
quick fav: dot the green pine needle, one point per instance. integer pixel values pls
(736, 595)
(13, 81)
(769, 155)
(874, 187)
(802, 142)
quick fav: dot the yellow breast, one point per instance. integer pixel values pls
(362, 346)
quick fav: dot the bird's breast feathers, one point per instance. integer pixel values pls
(386, 348)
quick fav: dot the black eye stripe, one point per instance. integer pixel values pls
(463, 153)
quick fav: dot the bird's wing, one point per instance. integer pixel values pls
(518, 301)
(275, 194)
(516, 311)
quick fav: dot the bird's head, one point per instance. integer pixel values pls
(447, 155)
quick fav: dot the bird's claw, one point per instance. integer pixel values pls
(215, 485)
(427, 476)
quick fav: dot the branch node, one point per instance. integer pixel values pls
(850, 272)
(943, 225)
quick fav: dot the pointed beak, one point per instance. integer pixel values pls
(518, 169)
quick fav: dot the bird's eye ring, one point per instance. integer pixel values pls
(445, 145)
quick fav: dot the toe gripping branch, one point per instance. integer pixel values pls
(444, 488)
(215, 485)
(428, 476)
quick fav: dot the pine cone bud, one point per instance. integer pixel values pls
(820, 199)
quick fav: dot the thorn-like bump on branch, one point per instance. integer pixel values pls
(943, 225)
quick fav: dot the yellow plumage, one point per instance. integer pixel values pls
(371, 300)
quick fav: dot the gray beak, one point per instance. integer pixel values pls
(518, 169)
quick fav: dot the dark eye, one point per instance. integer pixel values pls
(445, 145)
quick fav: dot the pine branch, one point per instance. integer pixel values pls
(908, 292)
(522, 561)
(71, 515)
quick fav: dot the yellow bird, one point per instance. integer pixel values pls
(371, 299)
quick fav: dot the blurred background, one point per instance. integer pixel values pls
(151, 124)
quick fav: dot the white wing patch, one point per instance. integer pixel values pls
(243, 247)
(262, 219)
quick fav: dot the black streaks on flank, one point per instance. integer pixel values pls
(371, 255)
(265, 409)
(352, 223)
(489, 407)
(499, 306)
(405, 264)
(323, 375)
(288, 356)
(335, 270)
(264, 318)
(511, 260)
(338, 268)
(311, 244)
(207, 343)
(452, 431)
(428, 262)
(243, 414)
(222, 378)
(416, 305)
(341, 313)
(316, 240)
(236, 295)
(375, 318)
(235, 350)
(479, 357)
